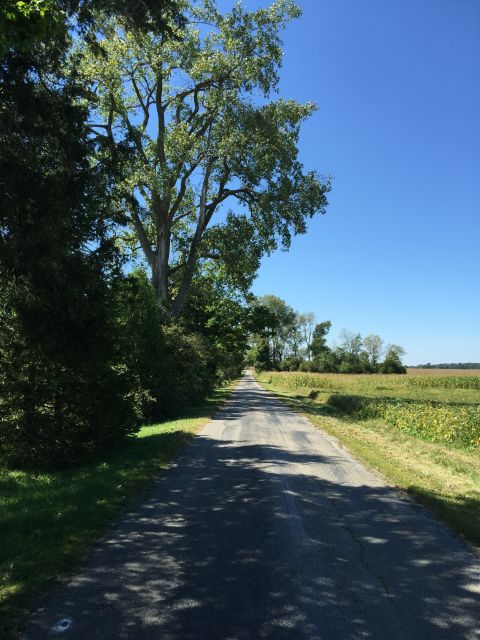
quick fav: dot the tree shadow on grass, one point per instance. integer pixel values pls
(462, 513)
(241, 539)
(49, 520)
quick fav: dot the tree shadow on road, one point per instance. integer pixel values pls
(245, 541)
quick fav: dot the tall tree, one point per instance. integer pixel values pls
(319, 338)
(392, 362)
(306, 325)
(373, 345)
(350, 342)
(282, 324)
(62, 393)
(193, 119)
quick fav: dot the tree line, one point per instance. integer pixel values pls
(141, 183)
(286, 340)
(449, 365)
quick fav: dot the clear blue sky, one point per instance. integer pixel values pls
(398, 128)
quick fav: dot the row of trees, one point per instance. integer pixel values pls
(289, 341)
(129, 138)
(449, 365)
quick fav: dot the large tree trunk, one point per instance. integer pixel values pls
(160, 267)
(160, 272)
(203, 220)
(179, 302)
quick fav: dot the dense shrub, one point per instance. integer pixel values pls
(326, 362)
(190, 370)
(175, 368)
(64, 392)
(391, 366)
(142, 340)
(290, 364)
(306, 366)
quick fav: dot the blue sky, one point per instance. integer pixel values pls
(397, 83)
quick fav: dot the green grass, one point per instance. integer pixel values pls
(441, 474)
(48, 521)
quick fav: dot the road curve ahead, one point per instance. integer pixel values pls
(265, 528)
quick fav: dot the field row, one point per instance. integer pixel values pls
(334, 380)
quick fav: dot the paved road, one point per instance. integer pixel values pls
(265, 528)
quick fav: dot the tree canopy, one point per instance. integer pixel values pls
(210, 161)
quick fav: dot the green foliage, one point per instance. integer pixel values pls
(29, 24)
(279, 325)
(319, 338)
(306, 366)
(24, 24)
(180, 110)
(292, 336)
(392, 362)
(190, 371)
(216, 310)
(290, 364)
(454, 424)
(177, 365)
(142, 340)
(260, 356)
(373, 346)
(328, 361)
(64, 390)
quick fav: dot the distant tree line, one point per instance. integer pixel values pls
(285, 340)
(449, 365)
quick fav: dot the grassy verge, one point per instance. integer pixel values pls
(49, 521)
(442, 477)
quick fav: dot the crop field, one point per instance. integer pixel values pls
(437, 408)
(422, 432)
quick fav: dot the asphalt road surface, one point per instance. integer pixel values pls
(265, 528)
